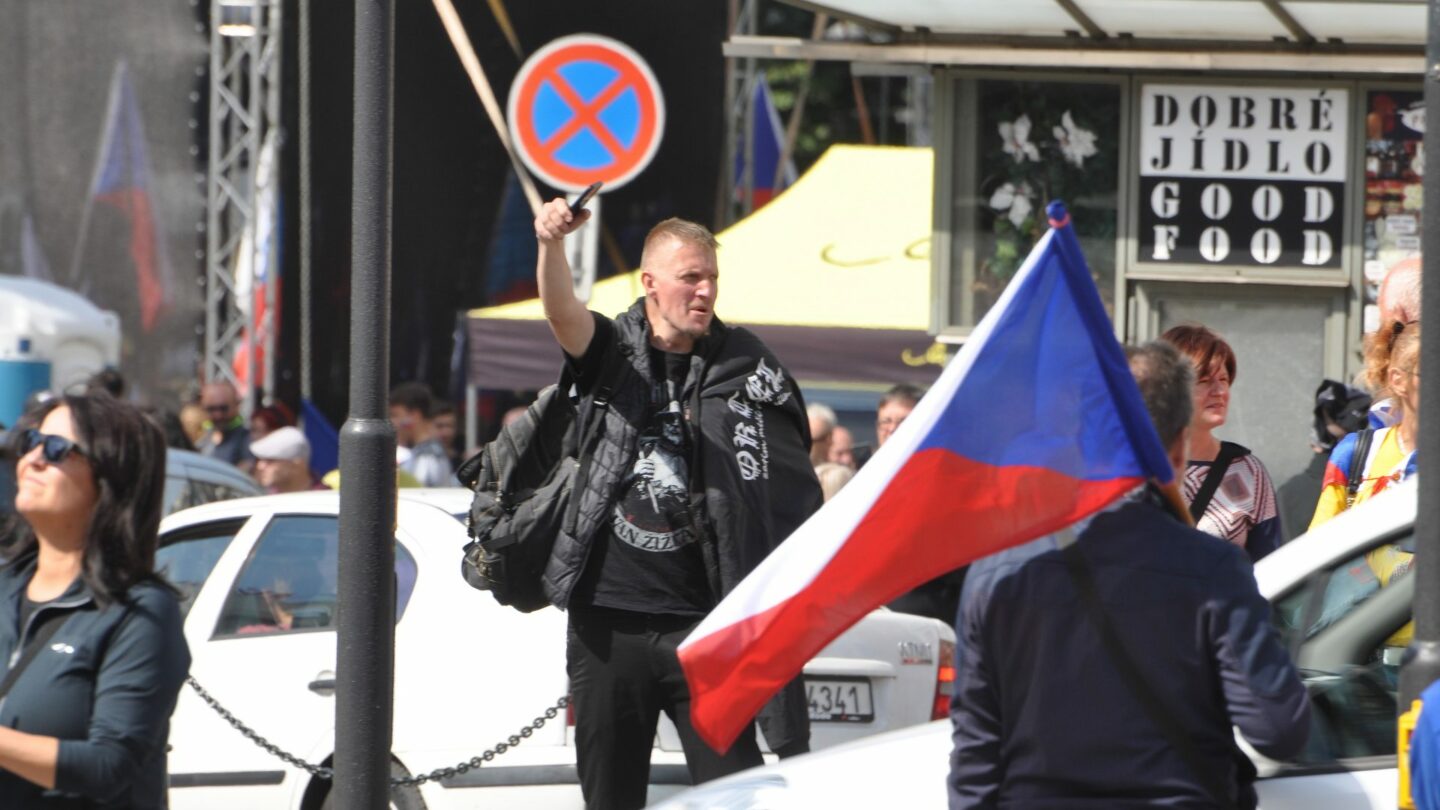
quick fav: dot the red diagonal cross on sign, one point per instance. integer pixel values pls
(545, 73)
(586, 115)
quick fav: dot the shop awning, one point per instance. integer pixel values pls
(1303, 36)
(834, 274)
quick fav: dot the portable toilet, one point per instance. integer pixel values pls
(50, 338)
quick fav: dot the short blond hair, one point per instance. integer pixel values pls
(682, 230)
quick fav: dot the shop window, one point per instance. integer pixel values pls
(1035, 141)
(1394, 166)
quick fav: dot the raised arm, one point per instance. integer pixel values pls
(569, 319)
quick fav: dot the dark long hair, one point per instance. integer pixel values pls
(126, 453)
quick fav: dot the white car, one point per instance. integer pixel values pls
(1349, 763)
(259, 576)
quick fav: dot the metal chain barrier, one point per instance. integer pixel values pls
(321, 772)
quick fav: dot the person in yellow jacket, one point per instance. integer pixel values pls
(1384, 456)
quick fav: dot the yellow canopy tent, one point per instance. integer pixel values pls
(833, 274)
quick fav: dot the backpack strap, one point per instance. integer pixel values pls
(1229, 451)
(1356, 474)
(611, 368)
(48, 627)
(1150, 702)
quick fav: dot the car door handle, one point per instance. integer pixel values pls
(323, 686)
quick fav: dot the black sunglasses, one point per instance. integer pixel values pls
(54, 448)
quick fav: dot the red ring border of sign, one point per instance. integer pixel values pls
(542, 65)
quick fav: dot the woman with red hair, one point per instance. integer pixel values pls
(1228, 489)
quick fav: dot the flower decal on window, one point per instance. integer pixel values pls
(1075, 143)
(1014, 201)
(1016, 136)
(1041, 142)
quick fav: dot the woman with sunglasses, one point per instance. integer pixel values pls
(92, 634)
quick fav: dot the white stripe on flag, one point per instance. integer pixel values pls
(796, 562)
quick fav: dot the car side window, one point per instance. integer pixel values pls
(227, 493)
(1330, 594)
(1346, 626)
(290, 581)
(180, 493)
(186, 557)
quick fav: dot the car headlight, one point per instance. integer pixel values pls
(761, 792)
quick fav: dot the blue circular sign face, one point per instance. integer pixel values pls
(586, 109)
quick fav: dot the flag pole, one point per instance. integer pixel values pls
(112, 108)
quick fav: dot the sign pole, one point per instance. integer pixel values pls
(588, 266)
(1420, 665)
(1422, 661)
(365, 639)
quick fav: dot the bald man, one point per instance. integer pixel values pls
(226, 436)
(1399, 298)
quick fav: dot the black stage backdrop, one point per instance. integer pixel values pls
(451, 172)
(60, 57)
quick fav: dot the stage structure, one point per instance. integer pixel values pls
(241, 259)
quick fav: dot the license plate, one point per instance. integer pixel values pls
(839, 700)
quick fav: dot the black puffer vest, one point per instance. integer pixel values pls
(751, 480)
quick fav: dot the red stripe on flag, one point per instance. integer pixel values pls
(135, 202)
(939, 512)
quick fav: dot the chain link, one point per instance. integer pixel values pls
(321, 772)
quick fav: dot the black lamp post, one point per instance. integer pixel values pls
(1422, 661)
(365, 654)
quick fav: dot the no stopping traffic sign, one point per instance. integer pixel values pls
(586, 108)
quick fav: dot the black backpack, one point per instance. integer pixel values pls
(522, 482)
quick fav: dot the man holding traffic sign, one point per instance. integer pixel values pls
(696, 468)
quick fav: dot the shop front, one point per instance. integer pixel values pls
(1251, 165)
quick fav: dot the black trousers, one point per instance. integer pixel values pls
(623, 671)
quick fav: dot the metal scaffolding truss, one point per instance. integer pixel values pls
(242, 185)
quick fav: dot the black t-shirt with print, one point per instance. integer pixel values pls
(646, 560)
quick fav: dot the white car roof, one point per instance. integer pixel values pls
(450, 500)
(1341, 537)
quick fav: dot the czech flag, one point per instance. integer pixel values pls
(766, 145)
(122, 179)
(1035, 424)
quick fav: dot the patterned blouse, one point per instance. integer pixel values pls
(1243, 510)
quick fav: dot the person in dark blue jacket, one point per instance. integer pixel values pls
(86, 716)
(1044, 718)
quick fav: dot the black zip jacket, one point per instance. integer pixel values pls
(105, 684)
(751, 480)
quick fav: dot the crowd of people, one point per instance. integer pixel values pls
(661, 531)
(272, 447)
